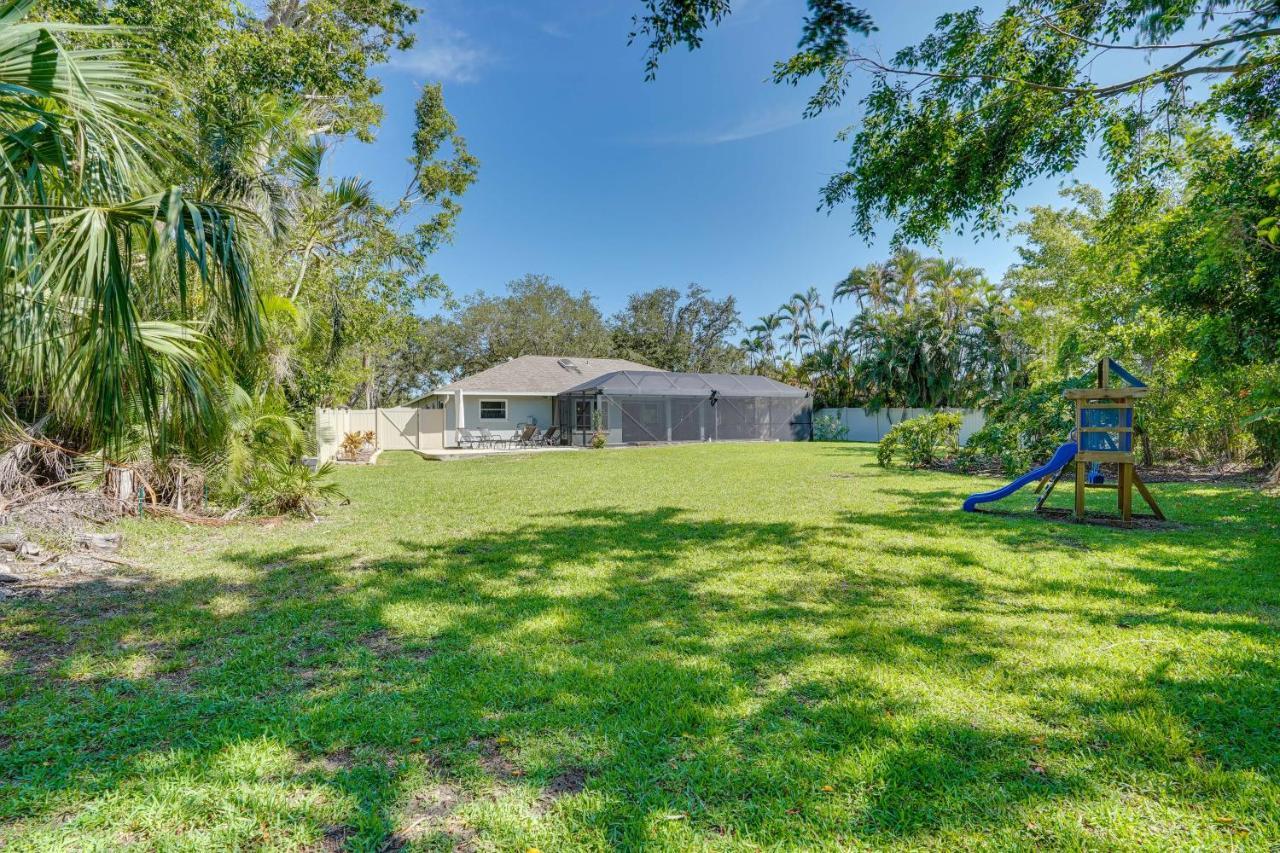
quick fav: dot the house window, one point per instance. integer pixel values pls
(582, 415)
(493, 410)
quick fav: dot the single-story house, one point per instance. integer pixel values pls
(633, 403)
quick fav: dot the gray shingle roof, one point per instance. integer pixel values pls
(660, 383)
(540, 374)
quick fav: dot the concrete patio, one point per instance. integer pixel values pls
(451, 454)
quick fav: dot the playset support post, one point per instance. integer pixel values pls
(1104, 432)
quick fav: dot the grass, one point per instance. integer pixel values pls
(700, 647)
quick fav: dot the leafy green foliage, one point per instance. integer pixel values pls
(1269, 226)
(955, 126)
(1024, 428)
(828, 428)
(255, 90)
(1173, 283)
(227, 54)
(258, 430)
(438, 182)
(659, 329)
(929, 332)
(92, 248)
(165, 242)
(535, 317)
(921, 441)
(288, 487)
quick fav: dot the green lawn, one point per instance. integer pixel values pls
(699, 647)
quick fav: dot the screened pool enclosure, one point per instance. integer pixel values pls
(645, 407)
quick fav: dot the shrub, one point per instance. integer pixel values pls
(921, 441)
(260, 468)
(288, 487)
(354, 442)
(829, 428)
(1265, 428)
(1023, 428)
(599, 437)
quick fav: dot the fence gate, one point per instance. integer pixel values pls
(397, 429)
(394, 429)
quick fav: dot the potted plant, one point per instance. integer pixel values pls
(599, 436)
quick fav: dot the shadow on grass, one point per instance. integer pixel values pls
(635, 650)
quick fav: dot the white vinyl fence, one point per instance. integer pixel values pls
(394, 429)
(866, 425)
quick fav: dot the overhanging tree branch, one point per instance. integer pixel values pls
(1199, 47)
(1164, 75)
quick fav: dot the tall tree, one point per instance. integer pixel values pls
(535, 317)
(227, 54)
(953, 127)
(115, 289)
(659, 328)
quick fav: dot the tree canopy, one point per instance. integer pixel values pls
(954, 126)
(688, 334)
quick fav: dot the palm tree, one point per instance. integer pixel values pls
(792, 314)
(114, 289)
(818, 335)
(801, 314)
(265, 160)
(324, 224)
(753, 347)
(765, 331)
(871, 285)
(907, 272)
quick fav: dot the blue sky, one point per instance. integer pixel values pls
(610, 184)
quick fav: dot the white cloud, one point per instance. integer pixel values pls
(750, 126)
(444, 54)
(554, 29)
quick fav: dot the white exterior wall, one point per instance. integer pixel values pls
(520, 410)
(865, 425)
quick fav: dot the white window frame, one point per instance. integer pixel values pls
(485, 417)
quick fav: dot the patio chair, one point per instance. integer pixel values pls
(528, 436)
(487, 436)
(467, 438)
(551, 437)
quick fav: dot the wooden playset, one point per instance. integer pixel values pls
(1104, 436)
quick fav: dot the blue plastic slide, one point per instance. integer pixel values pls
(1061, 457)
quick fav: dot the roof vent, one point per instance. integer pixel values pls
(568, 364)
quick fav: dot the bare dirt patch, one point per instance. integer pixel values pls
(427, 813)
(331, 762)
(335, 838)
(381, 643)
(50, 575)
(384, 644)
(566, 783)
(1142, 522)
(494, 762)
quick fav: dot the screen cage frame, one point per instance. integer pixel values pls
(651, 408)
